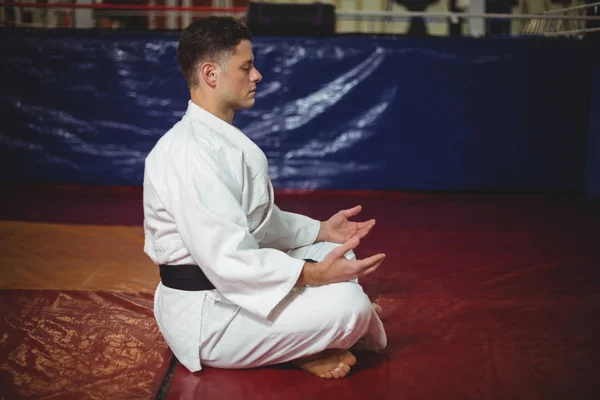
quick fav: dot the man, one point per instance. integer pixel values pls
(245, 284)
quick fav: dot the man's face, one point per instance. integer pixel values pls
(238, 79)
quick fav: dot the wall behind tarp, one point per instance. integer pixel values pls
(390, 113)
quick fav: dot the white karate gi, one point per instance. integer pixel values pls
(208, 201)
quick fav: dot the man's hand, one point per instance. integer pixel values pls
(338, 229)
(336, 268)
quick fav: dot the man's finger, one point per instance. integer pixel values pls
(370, 223)
(352, 211)
(372, 267)
(364, 228)
(350, 244)
(369, 262)
(371, 270)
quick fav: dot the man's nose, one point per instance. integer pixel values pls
(257, 75)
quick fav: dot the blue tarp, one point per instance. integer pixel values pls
(593, 166)
(348, 112)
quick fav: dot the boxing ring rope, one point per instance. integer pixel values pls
(144, 10)
(572, 32)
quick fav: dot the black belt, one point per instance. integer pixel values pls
(184, 277)
(188, 277)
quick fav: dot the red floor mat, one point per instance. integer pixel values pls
(443, 348)
(484, 297)
(80, 345)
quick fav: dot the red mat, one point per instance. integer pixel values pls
(79, 345)
(484, 297)
(443, 348)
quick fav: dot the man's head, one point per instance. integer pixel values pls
(215, 57)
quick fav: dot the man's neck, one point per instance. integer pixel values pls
(224, 113)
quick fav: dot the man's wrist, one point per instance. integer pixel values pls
(309, 275)
(322, 236)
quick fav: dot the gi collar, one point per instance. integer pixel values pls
(229, 131)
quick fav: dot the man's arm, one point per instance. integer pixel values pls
(289, 230)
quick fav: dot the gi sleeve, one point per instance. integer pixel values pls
(214, 229)
(288, 230)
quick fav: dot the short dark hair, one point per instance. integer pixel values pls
(208, 39)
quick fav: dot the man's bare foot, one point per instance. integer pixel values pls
(333, 363)
(377, 308)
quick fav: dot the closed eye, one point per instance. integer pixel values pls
(247, 65)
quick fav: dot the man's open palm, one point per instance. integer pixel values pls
(339, 228)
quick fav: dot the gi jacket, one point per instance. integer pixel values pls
(208, 201)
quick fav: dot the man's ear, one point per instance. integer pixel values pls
(208, 73)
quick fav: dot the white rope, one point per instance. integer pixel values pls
(404, 15)
(401, 15)
(445, 15)
(564, 33)
(573, 32)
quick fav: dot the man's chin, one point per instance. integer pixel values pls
(245, 105)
